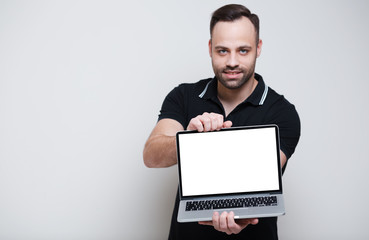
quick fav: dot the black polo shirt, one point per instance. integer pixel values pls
(263, 106)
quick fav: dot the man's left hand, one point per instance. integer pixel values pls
(226, 223)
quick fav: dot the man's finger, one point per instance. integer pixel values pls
(223, 226)
(209, 223)
(217, 120)
(216, 220)
(207, 122)
(195, 124)
(232, 225)
(227, 124)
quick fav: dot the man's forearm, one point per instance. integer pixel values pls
(160, 151)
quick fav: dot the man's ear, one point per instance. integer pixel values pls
(258, 49)
(210, 53)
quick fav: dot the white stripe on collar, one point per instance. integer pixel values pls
(205, 89)
(263, 97)
(265, 93)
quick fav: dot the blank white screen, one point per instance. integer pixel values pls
(228, 161)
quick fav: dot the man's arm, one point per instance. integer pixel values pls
(160, 147)
(283, 158)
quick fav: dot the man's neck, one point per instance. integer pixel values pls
(231, 98)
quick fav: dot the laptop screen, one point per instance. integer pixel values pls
(233, 160)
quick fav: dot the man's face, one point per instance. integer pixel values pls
(233, 51)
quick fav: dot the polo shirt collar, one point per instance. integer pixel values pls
(257, 97)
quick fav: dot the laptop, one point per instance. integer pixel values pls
(235, 169)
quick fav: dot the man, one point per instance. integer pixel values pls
(236, 96)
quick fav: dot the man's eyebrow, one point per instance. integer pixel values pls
(220, 47)
(245, 47)
(240, 47)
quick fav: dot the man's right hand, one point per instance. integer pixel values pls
(208, 122)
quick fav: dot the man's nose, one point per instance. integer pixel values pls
(232, 60)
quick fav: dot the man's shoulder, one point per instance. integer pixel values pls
(194, 87)
(275, 98)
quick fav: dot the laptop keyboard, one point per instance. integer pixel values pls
(231, 203)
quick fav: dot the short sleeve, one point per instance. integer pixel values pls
(290, 131)
(288, 121)
(173, 106)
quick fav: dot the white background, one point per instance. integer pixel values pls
(82, 82)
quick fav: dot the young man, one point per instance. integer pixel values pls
(236, 96)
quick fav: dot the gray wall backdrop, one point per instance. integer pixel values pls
(82, 82)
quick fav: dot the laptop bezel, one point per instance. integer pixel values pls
(278, 191)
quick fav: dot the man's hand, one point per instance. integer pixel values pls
(208, 122)
(226, 223)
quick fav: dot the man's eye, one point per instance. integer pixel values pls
(243, 51)
(222, 52)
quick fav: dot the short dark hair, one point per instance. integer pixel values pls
(232, 12)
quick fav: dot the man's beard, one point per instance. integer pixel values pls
(236, 83)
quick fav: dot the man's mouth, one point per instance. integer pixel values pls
(232, 73)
